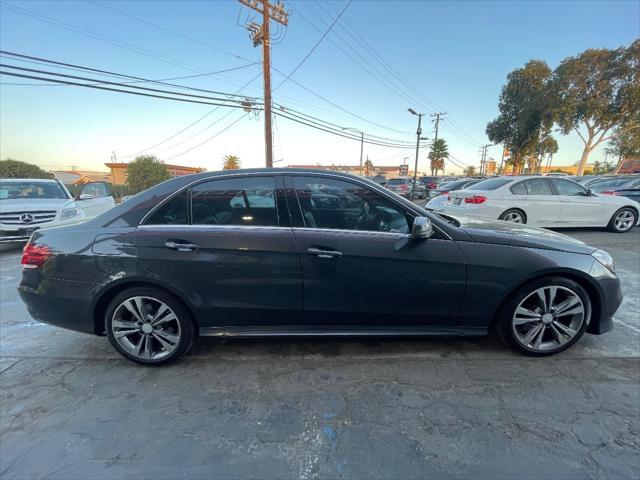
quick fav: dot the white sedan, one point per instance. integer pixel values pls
(544, 202)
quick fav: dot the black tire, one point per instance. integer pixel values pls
(505, 216)
(183, 319)
(613, 225)
(505, 319)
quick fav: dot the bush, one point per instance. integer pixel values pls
(10, 168)
(145, 172)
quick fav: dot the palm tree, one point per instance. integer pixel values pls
(470, 171)
(439, 152)
(231, 162)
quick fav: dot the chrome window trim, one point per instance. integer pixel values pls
(379, 189)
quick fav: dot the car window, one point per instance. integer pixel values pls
(519, 189)
(22, 190)
(341, 205)
(235, 201)
(538, 186)
(490, 184)
(173, 212)
(397, 181)
(95, 190)
(567, 187)
(608, 182)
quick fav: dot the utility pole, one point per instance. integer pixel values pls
(483, 161)
(418, 138)
(436, 118)
(361, 143)
(260, 35)
(502, 160)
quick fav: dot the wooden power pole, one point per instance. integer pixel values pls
(260, 35)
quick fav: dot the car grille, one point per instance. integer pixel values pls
(36, 217)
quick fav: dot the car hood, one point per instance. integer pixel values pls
(506, 233)
(31, 204)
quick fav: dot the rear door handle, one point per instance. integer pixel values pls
(181, 247)
(324, 253)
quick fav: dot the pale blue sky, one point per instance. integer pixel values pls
(457, 54)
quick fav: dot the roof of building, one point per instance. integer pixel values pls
(182, 167)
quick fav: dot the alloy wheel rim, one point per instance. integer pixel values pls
(514, 217)
(624, 220)
(548, 318)
(146, 328)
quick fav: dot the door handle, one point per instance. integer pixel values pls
(181, 247)
(324, 253)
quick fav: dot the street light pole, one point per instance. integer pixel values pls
(361, 143)
(418, 133)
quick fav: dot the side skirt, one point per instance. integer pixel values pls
(341, 331)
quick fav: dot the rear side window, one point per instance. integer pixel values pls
(538, 186)
(235, 201)
(174, 212)
(519, 189)
(490, 184)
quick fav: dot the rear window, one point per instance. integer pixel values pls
(610, 182)
(397, 181)
(452, 185)
(490, 184)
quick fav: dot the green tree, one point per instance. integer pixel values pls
(547, 145)
(525, 111)
(144, 172)
(625, 142)
(10, 168)
(597, 92)
(470, 171)
(230, 162)
(438, 154)
(601, 168)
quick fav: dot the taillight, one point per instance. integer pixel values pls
(404, 187)
(34, 256)
(476, 199)
(432, 185)
(444, 193)
(609, 192)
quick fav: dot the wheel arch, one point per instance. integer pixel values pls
(579, 277)
(104, 297)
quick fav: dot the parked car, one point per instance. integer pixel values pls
(445, 187)
(184, 259)
(616, 186)
(544, 201)
(404, 186)
(436, 204)
(430, 183)
(27, 204)
(379, 179)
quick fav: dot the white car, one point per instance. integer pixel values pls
(27, 204)
(543, 201)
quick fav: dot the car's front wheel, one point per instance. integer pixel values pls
(148, 326)
(545, 316)
(513, 215)
(623, 220)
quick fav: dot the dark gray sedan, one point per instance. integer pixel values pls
(282, 252)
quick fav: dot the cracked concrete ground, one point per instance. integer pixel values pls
(71, 408)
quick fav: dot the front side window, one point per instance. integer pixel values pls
(341, 205)
(173, 212)
(538, 186)
(235, 201)
(567, 187)
(94, 190)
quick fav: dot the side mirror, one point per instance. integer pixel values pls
(422, 228)
(589, 192)
(84, 196)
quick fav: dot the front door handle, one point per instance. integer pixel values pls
(181, 247)
(324, 253)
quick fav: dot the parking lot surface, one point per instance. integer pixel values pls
(71, 408)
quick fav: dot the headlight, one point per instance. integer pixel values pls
(68, 213)
(605, 260)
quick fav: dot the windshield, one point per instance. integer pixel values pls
(452, 185)
(491, 184)
(27, 189)
(610, 182)
(397, 181)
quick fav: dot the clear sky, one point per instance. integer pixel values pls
(456, 53)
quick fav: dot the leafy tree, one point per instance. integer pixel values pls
(547, 145)
(231, 162)
(10, 168)
(525, 111)
(439, 152)
(144, 172)
(368, 167)
(625, 142)
(470, 171)
(596, 92)
(600, 168)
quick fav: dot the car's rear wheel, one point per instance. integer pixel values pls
(623, 220)
(148, 326)
(513, 215)
(545, 316)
